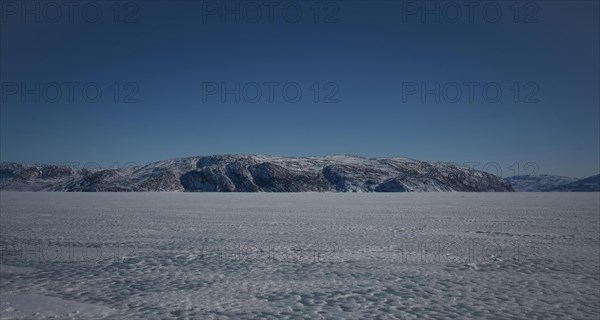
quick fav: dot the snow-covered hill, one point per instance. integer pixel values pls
(548, 183)
(586, 184)
(253, 173)
(535, 183)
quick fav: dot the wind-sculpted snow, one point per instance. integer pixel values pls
(299, 255)
(251, 173)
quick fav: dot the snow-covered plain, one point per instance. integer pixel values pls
(300, 256)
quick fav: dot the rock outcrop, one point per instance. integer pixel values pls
(252, 173)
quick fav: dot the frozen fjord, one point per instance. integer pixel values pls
(301, 255)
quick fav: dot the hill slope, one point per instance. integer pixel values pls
(252, 173)
(550, 183)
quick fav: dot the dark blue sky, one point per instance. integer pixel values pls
(369, 61)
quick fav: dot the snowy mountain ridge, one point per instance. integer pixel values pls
(553, 183)
(257, 173)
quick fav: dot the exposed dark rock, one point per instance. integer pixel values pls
(250, 173)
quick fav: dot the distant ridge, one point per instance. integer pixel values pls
(551, 183)
(253, 173)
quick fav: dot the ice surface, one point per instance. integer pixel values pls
(303, 255)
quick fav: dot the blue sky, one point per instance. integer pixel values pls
(371, 63)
